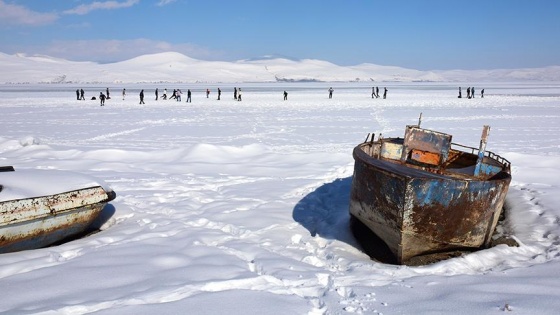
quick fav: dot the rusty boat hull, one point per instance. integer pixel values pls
(421, 196)
(37, 222)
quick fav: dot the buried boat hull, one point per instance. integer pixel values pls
(417, 209)
(42, 221)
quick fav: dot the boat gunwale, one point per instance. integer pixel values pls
(110, 195)
(411, 170)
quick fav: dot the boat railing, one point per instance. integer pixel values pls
(370, 140)
(488, 154)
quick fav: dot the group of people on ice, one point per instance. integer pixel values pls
(80, 96)
(470, 93)
(177, 93)
(375, 92)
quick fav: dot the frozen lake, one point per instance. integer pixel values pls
(242, 206)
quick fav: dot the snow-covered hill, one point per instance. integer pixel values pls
(176, 67)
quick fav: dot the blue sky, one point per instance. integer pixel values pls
(417, 34)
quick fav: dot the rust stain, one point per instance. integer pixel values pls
(425, 157)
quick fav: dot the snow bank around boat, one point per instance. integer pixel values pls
(43, 180)
(532, 203)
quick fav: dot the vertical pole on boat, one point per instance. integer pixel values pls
(419, 120)
(380, 140)
(482, 149)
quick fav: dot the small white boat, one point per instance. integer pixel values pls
(39, 208)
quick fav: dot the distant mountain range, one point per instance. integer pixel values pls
(172, 67)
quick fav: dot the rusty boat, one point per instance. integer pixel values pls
(423, 194)
(34, 215)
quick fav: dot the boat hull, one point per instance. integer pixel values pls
(416, 212)
(42, 221)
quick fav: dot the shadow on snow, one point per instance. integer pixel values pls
(324, 212)
(104, 216)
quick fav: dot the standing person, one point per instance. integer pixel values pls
(77, 94)
(372, 92)
(207, 93)
(123, 93)
(482, 93)
(376, 92)
(472, 92)
(156, 94)
(82, 95)
(285, 95)
(330, 92)
(108, 93)
(239, 95)
(468, 92)
(460, 95)
(102, 98)
(142, 97)
(234, 93)
(385, 93)
(219, 93)
(178, 95)
(164, 94)
(188, 95)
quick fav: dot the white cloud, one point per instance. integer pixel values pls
(118, 50)
(161, 3)
(97, 5)
(19, 15)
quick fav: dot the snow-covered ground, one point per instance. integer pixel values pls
(242, 207)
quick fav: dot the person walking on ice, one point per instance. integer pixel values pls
(142, 97)
(330, 92)
(102, 99)
(385, 94)
(123, 93)
(285, 96)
